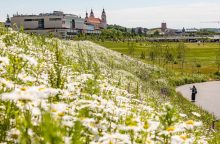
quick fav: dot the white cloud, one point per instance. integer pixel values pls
(177, 16)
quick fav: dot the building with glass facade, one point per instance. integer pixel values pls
(57, 23)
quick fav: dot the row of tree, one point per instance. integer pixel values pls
(166, 55)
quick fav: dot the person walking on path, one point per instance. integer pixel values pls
(194, 92)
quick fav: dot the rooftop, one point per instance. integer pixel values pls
(93, 20)
(55, 13)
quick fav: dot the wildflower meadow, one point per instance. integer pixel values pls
(56, 91)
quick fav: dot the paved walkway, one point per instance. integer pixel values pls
(208, 96)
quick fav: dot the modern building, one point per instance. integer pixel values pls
(60, 24)
(57, 23)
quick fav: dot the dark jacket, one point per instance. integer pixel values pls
(194, 90)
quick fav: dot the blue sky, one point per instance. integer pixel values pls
(130, 13)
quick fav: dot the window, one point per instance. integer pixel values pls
(73, 24)
(41, 23)
(31, 19)
(55, 19)
(28, 20)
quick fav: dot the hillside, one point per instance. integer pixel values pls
(57, 91)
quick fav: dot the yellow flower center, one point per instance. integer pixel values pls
(82, 118)
(41, 89)
(170, 129)
(146, 125)
(183, 137)
(110, 142)
(190, 122)
(61, 114)
(92, 124)
(23, 89)
(148, 142)
(54, 110)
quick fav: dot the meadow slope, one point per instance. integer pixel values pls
(57, 91)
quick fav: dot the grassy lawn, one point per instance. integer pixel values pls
(203, 54)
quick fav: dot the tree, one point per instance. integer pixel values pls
(131, 48)
(133, 32)
(111, 34)
(140, 31)
(168, 55)
(153, 53)
(152, 56)
(218, 59)
(181, 52)
(198, 66)
(156, 33)
(142, 55)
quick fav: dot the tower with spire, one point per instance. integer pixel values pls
(92, 14)
(87, 16)
(8, 21)
(104, 18)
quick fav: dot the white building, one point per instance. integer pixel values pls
(191, 30)
(58, 23)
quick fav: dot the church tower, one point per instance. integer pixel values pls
(87, 16)
(104, 19)
(8, 21)
(92, 14)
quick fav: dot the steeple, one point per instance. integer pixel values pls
(8, 19)
(183, 30)
(92, 14)
(87, 15)
(104, 18)
(103, 11)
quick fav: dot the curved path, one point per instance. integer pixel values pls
(208, 96)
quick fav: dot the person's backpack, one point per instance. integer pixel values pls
(195, 91)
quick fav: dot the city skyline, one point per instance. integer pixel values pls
(143, 13)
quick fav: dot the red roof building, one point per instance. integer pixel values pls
(96, 22)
